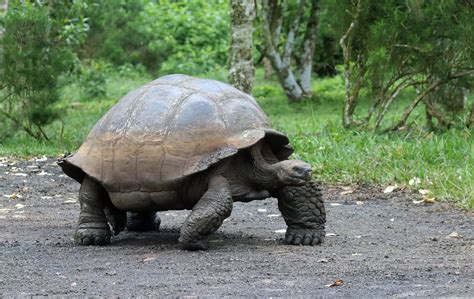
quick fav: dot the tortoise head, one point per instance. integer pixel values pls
(293, 172)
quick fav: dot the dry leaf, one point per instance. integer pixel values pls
(337, 283)
(44, 173)
(389, 189)
(454, 235)
(424, 191)
(149, 259)
(429, 199)
(19, 174)
(13, 196)
(42, 159)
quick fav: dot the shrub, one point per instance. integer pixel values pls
(36, 50)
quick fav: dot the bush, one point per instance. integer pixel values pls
(164, 36)
(92, 80)
(36, 50)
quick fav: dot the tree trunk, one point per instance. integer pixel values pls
(241, 72)
(352, 91)
(271, 22)
(308, 50)
(267, 68)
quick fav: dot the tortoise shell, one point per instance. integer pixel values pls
(169, 129)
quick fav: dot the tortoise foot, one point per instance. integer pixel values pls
(92, 236)
(194, 245)
(142, 222)
(304, 236)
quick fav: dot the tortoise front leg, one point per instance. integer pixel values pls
(302, 208)
(207, 215)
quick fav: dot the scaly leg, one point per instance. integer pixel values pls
(302, 208)
(92, 227)
(207, 215)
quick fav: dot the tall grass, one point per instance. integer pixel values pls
(443, 162)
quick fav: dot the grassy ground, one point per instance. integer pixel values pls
(442, 162)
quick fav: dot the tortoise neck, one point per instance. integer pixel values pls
(262, 172)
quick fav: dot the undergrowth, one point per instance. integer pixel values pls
(441, 162)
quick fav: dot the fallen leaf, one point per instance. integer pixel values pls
(44, 173)
(149, 259)
(424, 191)
(454, 235)
(42, 159)
(429, 199)
(20, 174)
(273, 215)
(12, 196)
(389, 189)
(281, 231)
(337, 283)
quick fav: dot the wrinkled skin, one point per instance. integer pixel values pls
(252, 174)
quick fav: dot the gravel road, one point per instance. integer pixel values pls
(377, 245)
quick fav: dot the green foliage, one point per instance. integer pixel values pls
(165, 36)
(398, 44)
(92, 79)
(36, 50)
(443, 162)
(114, 34)
(192, 35)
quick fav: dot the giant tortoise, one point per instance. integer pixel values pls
(181, 142)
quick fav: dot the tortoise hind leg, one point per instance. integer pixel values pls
(207, 215)
(302, 208)
(143, 221)
(92, 227)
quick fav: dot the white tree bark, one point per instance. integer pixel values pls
(308, 50)
(241, 71)
(281, 63)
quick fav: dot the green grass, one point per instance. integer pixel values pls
(443, 162)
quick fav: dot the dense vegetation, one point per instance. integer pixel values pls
(78, 59)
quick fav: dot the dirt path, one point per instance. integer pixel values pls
(378, 244)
